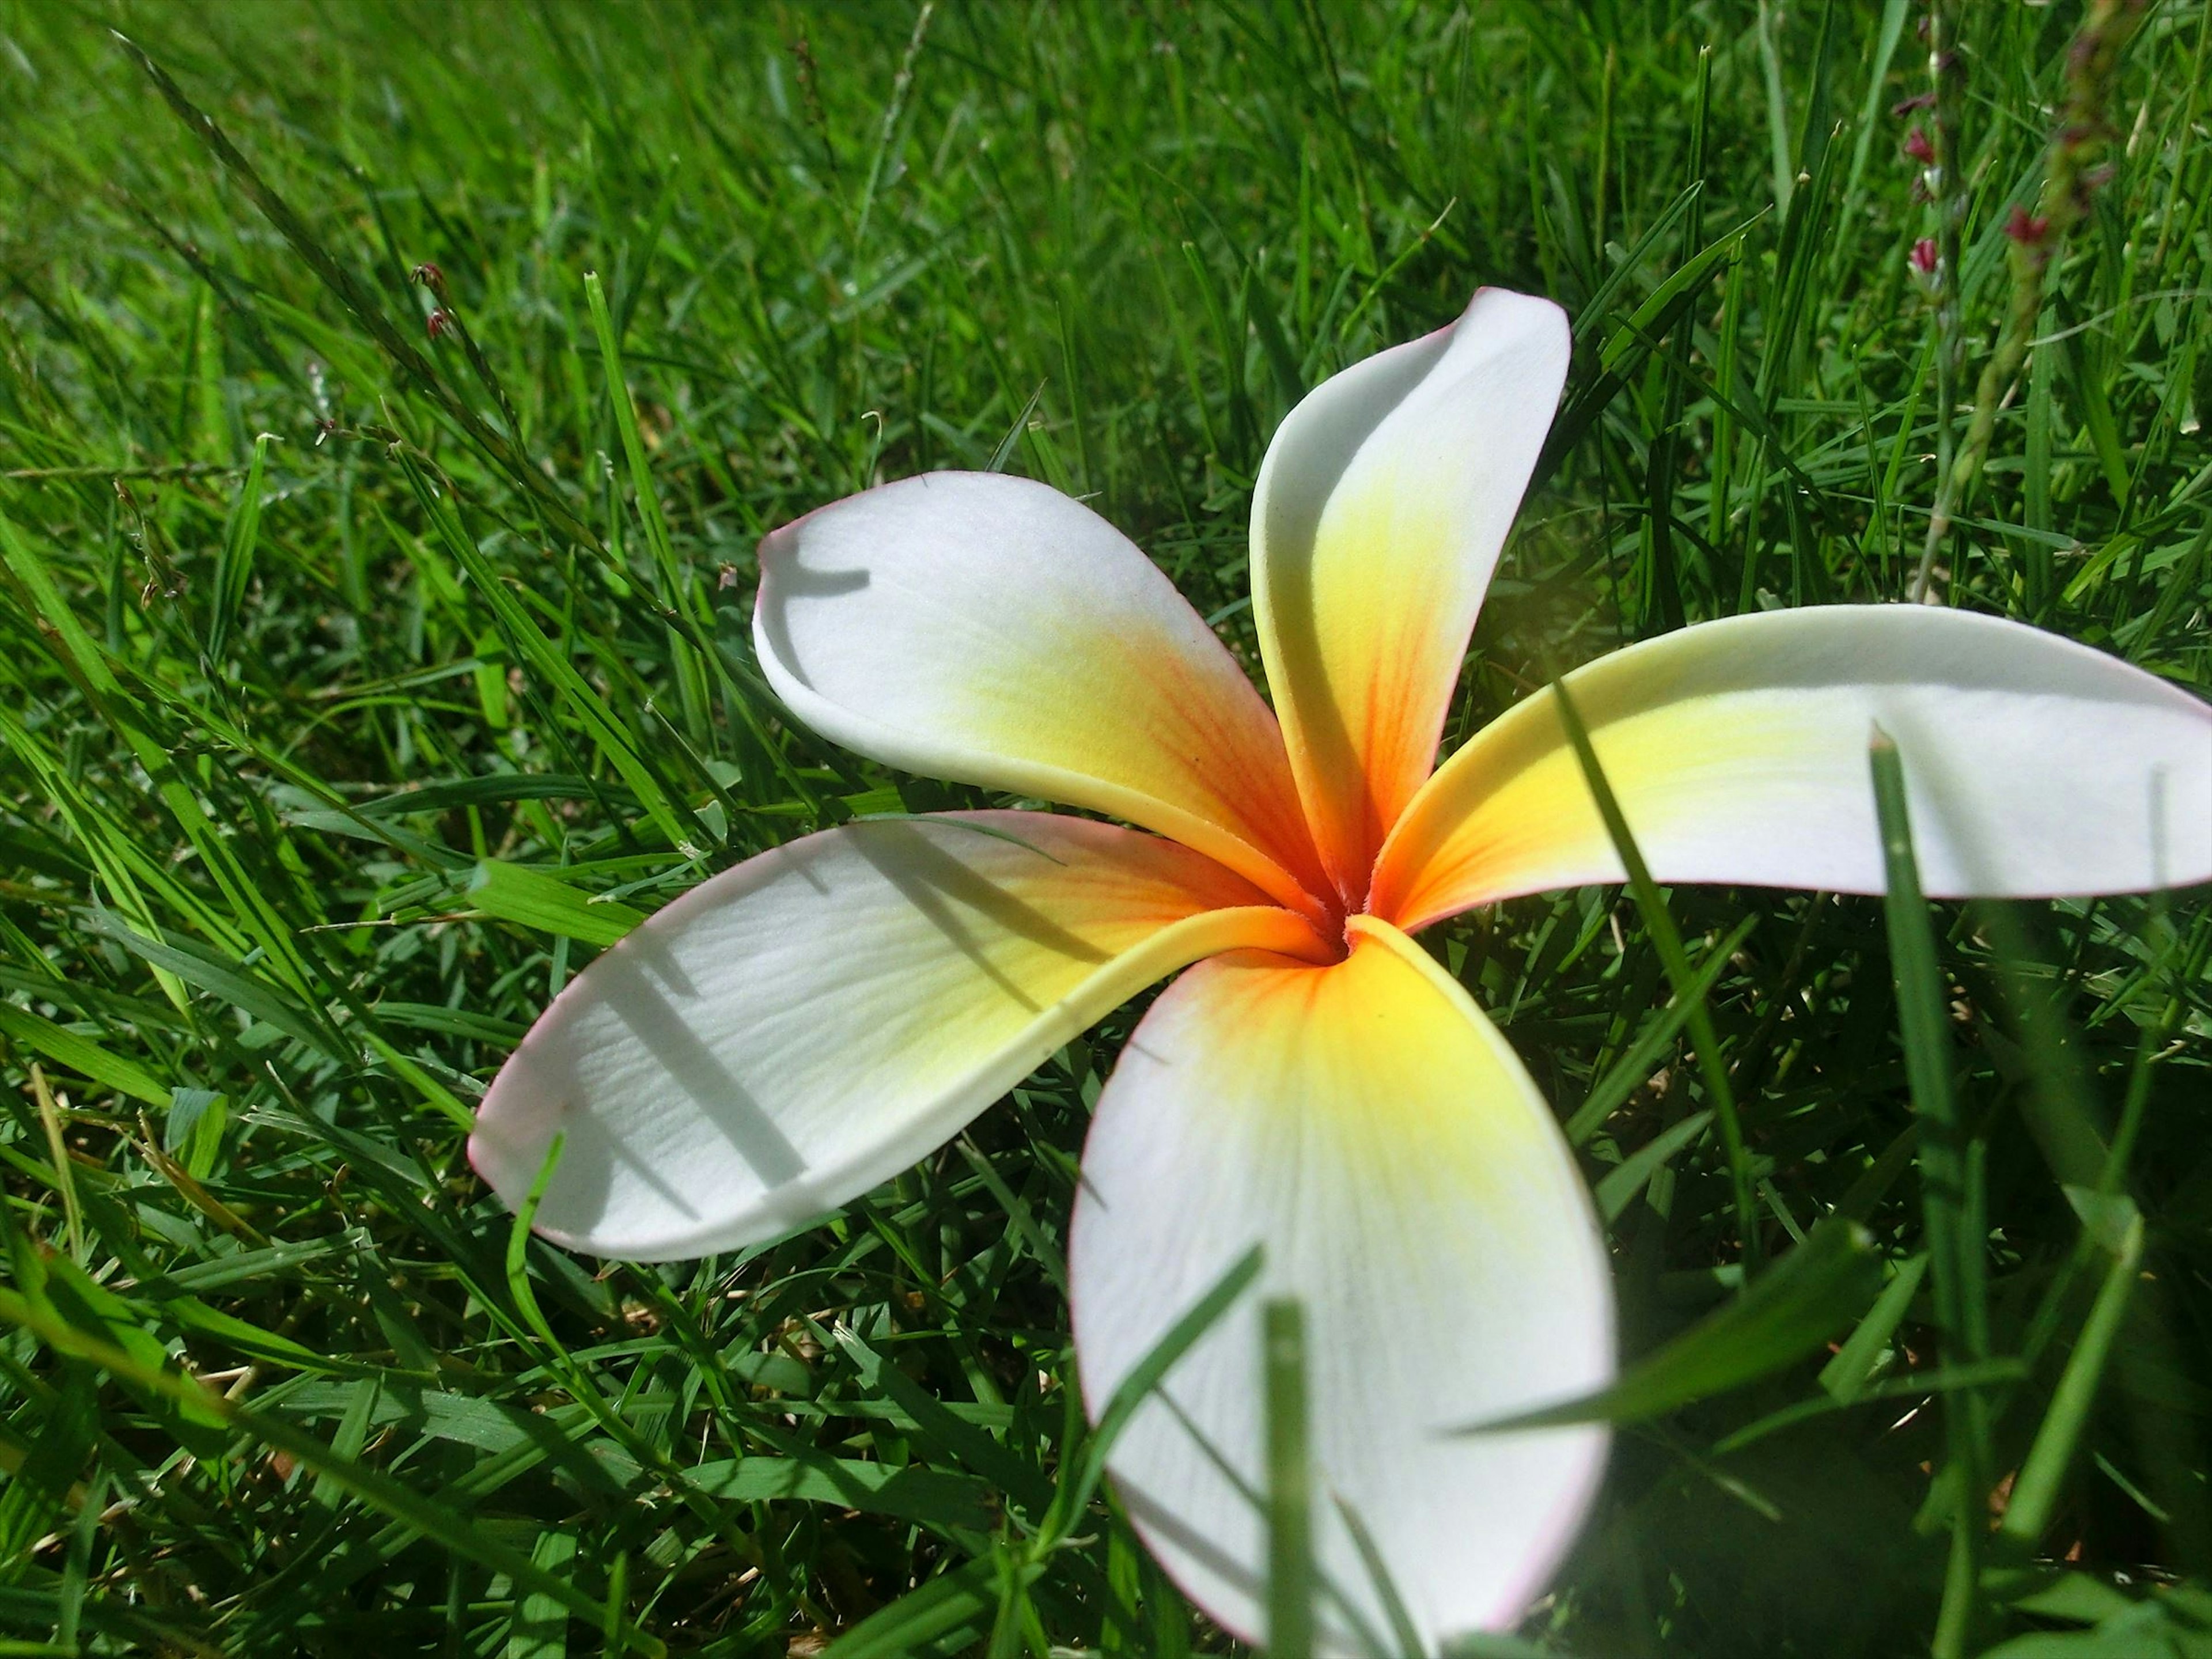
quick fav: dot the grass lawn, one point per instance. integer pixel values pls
(392, 397)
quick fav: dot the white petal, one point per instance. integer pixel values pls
(2036, 766)
(790, 1033)
(1367, 1126)
(1380, 511)
(986, 629)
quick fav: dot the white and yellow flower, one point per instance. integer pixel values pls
(798, 1029)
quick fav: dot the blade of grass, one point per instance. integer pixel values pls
(1955, 1245)
(1290, 1482)
(1788, 1312)
(675, 592)
(2035, 1491)
(1629, 1073)
(1667, 939)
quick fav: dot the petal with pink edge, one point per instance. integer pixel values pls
(1380, 508)
(988, 629)
(1366, 1125)
(2036, 766)
(799, 1028)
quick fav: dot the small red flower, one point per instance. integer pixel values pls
(429, 276)
(1923, 256)
(1918, 147)
(2025, 228)
(439, 321)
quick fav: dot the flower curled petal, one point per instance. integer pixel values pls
(798, 1029)
(989, 630)
(1380, 508)
(1367, 1127)
(2037, 767)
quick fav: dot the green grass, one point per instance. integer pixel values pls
(344, 664)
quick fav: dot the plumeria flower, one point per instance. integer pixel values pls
(797, 1029)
